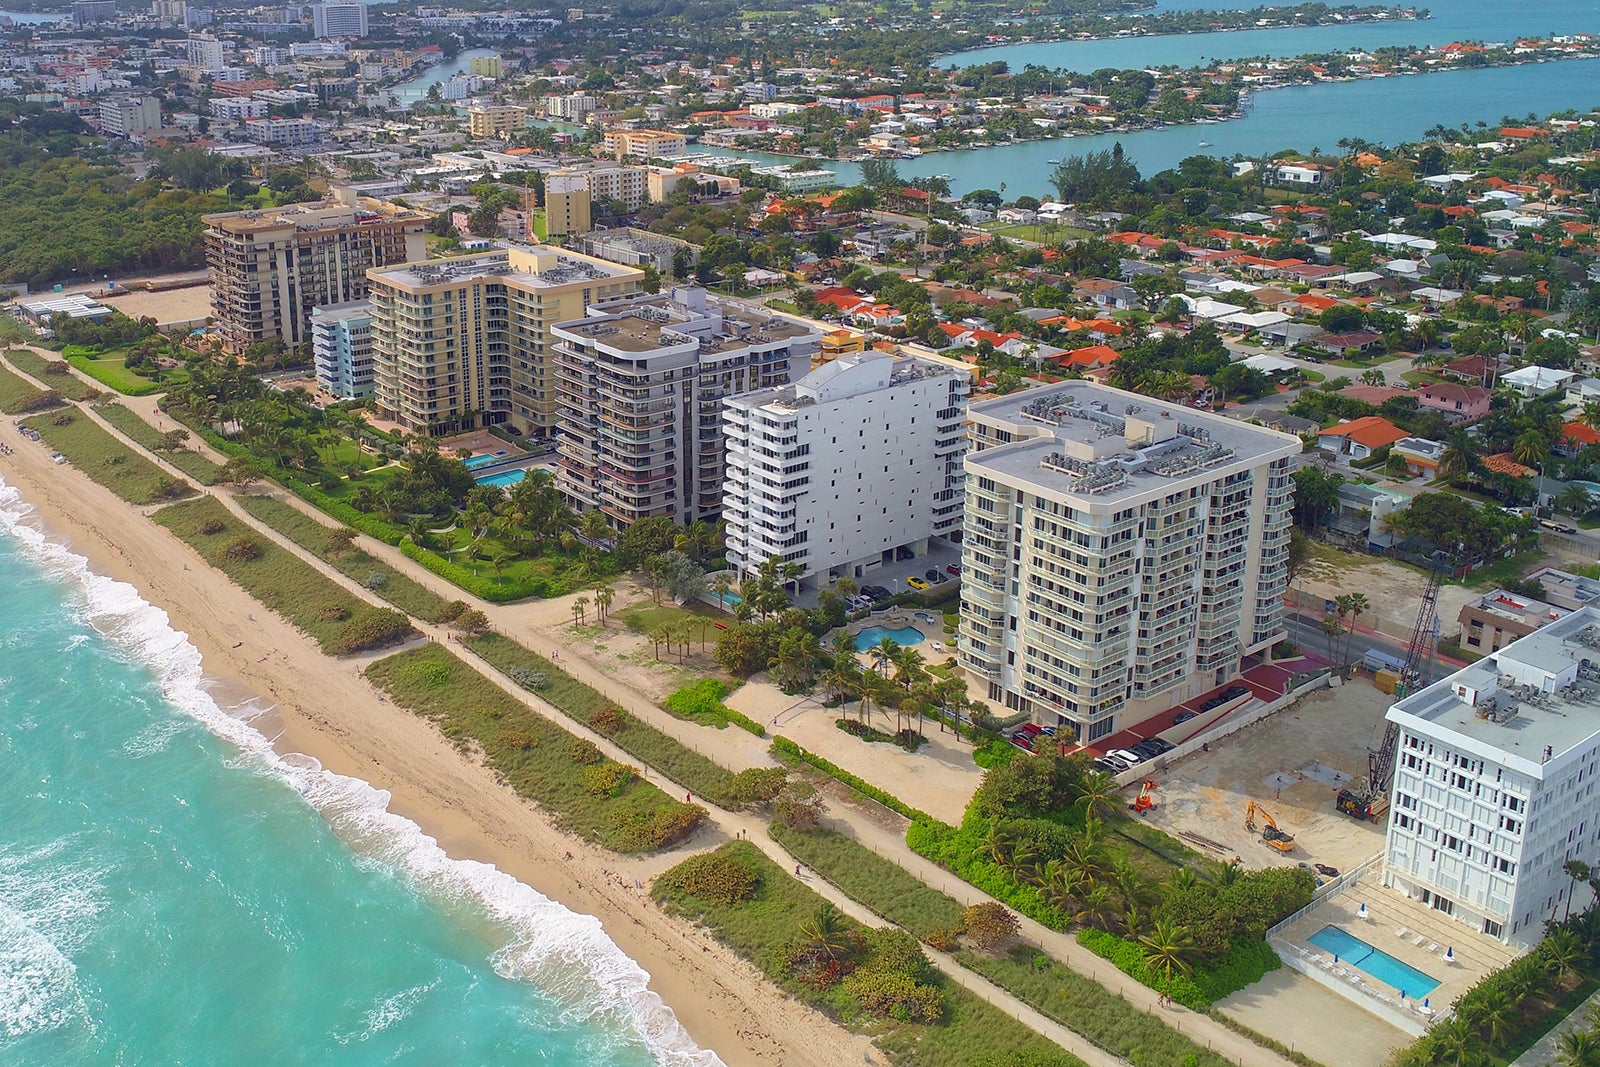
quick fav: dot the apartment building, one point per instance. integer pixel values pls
(1120, 554)
(575, 107)
(289, 132)
(238, 108)
(567, 208)
(205, 52)
(837, 471)
(645, 144)
(338, 20)
(1496, 619)
(624, 184)
(130, 117)
(465, 342)
(341, 348)
(640, 386)
(1494, 783)
(496, 122)
(269, 269)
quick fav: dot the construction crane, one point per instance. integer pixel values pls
(1368, 798)
(1271, 836)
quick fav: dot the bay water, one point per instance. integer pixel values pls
(174, 892)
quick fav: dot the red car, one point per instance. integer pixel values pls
(953, 569)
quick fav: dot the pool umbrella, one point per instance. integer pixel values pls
(1450, 953)
(1363, 911)
(1402, 995)
(1424, 1002)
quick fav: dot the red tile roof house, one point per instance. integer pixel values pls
(1360, 438)
(1575, 437)
(1460, 403)
(1339, 343)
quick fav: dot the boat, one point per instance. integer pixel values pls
(1052, 161)
(1205, 144)
(944, 177)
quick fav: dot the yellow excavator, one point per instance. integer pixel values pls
(1271, 836)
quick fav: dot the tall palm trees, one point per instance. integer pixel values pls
(1351, 606)
(1168, 949)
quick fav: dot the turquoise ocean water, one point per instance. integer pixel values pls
(173, 892)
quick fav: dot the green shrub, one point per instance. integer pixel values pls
(494, 590)
(243, 549)
(701, 702)
(997, 751)
(372, 525)
(607, 779)
(714, 876)
(584, 752)
(1245, 964)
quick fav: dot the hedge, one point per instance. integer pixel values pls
(496, 591)
(789, 752)
(1246, 963)
(105, 377)
(701, 702)
(371, 525)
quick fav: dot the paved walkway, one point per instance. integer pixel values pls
(1547, 1049)
(520, 620)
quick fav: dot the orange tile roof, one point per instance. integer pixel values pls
(1370, 430)
(1502, 463)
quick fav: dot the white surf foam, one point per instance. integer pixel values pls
(550, 945)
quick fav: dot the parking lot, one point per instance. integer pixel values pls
(893, 576)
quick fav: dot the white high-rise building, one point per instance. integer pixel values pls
(1495, 783)
(339, 20)
(1120, 554)
(860, 457)
(341, 348)
(205, 52)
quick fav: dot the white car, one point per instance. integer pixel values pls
(1128, 756)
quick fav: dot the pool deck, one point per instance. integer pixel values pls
(1427, 935)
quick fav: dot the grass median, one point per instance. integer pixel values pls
(52, 372)
(340, 622)
(187, 460)
(586, 793)
(106, 459)
(17, 397)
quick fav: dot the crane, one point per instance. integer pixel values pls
(1369, 797)
(1271, 836)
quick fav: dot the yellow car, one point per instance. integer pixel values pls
(917, 583)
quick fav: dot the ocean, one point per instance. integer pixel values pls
(172, 891)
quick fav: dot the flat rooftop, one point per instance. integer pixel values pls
(318, 216)
(1539, 694)
(527, 269)
(665, 321)
(1109, 446)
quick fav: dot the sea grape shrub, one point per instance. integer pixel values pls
(607, 720)
(715, 877)
(584, 752)
(989, 926)
(607, 779)
(373, 628)
(799, 806)
(518, 740)
(757, 785)
(242, 550)
(656, 829)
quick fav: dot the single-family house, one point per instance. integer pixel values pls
(1017, 216)
(1421, 455)
(1583, 390)
(1360, 438)
(1459, 403)
(1575, 437)
(1105, 293)
(1300, 173)
(1360, 512)
(1536, 381)
(1339, 343)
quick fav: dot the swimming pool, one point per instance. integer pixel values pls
(505, 479)
(730, 600)
(474, 462)
(1382, 966)
(905, 637)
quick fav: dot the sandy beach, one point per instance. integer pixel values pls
(323, 708)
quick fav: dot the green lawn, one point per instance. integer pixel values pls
(53, 372)
(887, 888)
(107, 460)
(564, 572)
(337, 620)
(537, 758)
(185, 459)
(17, 397)
(647, 618)
(399, 589)
(113, 373)
(1504, 571)
(665, 754)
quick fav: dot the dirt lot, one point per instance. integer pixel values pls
(1291, 764)
(189, 304)
(1393, 590)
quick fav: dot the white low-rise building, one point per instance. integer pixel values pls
(840, 469)
(1495, 783)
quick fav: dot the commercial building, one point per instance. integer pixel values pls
(1496, 619)
(645, 144)
(1120, 554)
(129, 118)
(567, 208)
(855, 460)
(338, 20)
(497, 122)
(341, 348)
(1494, 784)
(640, 387)
(269, 269)
(465, 342)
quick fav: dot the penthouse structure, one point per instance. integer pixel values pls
(1494, 783)
(1120, 554)
(837, 471)
(640, 386)
(464, 343)
(269, 269)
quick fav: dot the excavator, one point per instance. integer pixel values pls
(1271, 836)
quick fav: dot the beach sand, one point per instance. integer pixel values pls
(325, 709)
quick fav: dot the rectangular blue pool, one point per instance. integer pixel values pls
(474, 462)
(504, 479)
(1382, 966)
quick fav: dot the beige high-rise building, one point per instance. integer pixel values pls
(496, 121)
(465, 342)
(566, 203)
(269, 269)
(1119, 554)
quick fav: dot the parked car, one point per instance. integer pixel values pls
(1112, 765)
(917, 583)
(1127, 755)
(904, 553)
(932, 574)
(1183, 717)
(876, 592)
(1161, 747)
(953, 569)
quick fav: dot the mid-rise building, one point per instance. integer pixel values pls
(851, 462)
(465, 342)
(497, 121)
(1119, 554)
(269, 269)
(339, 20)
(341, 348)
(238, 108)
(484, 66)
(289, 132)
(640, 386)
(170, 12)
(90, 12)
(130, 117)
(567, 208)
(574, 107)
(645, 144)
(1494, 783)
(205, 52)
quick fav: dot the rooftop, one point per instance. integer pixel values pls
(1093, 441)
(322, 215)
(684, 315)
(528, 268)
(1526, 705)
(852, 374)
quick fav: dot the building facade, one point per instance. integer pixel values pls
(269, 269)
(497, 122)
(567, 207)
(645, 144)
(1120, 554)
(205, 52)
(465, 342)
(858, 458)
(1496, 619)
(341, 348)
(640, 386)
(1494, 783)
(339, 20)
(129, 118)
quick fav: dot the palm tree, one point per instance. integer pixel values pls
(884, 653)
(1576, 871)
(1531, 447)
(1457, 460)
(660, 635)
(1097, 794)
(1354, 605)
(1168, 948)
(603, 596)
(825, 934)
(1575, 500)
(1579, 1048)
(580, 610)
(1096, 907)
(1591, 414)
(1060, 885)
(1563, 952)
(1332, 628)
(909, 668)
(593, 525)
(1501, 1019)
(1453, 1044)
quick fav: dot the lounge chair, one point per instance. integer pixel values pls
(1402, 932)
(1433, 946)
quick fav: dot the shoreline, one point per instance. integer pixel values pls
(322, 708)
